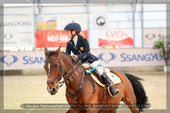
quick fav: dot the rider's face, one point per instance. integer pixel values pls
(69, 33)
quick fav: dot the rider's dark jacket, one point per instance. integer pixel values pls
(82, 50)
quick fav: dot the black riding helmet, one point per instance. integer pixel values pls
(73, 26)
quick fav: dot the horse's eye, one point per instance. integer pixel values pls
(56, 66)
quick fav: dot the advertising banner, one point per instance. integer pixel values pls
(59, 21)
(23, 60)
(107, 57)
(153, 35)
(53, 38)
(19, 40)
(18, 23)
(130, 57)
(46, 22)
(116, 38)
(18, 31)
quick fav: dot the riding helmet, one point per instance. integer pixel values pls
(73, 26)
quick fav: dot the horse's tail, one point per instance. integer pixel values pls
(139, 92)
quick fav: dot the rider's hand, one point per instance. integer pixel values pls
(75, 56)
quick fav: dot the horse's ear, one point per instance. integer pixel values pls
(45, 51)
(57, 51)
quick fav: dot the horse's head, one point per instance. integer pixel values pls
(54, 70)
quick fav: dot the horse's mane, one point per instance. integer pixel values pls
(71, 58)
(49, 53)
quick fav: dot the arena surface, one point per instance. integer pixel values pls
(19, 89)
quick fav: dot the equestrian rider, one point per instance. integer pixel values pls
(80, 48)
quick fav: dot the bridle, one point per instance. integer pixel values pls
(66, 76)
(49, 71)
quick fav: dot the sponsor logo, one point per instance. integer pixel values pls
(113, 56)
(157, 36)
(100, 21)
(33, 60)
(9, 59)
(16, 23)
(8, 36)
(56, 36)
(141, 57)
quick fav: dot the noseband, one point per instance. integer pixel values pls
(66, 76)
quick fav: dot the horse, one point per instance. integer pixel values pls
(83, 94)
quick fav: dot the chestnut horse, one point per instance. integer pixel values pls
(83, 93)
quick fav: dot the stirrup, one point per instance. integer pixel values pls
(114, 92)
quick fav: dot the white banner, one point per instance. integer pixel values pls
(18, 23)
(153, 35)
(18, 31)
(23, 60)
(107, 57)
(19, 40)
(115, 38)
(130, 57)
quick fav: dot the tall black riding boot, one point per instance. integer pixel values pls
(108, 83)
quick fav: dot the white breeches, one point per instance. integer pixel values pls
(99, 70)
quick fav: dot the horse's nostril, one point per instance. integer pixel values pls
(53, 90)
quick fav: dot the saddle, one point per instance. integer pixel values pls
(113, 77)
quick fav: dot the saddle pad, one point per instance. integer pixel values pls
(114, 78)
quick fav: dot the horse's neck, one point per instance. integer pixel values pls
(74, 78)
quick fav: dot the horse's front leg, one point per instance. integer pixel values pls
(92, 111)
(92, 107)
(71, 110)
(73, 104)
(112, 111)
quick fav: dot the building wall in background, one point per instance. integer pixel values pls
(117, 19)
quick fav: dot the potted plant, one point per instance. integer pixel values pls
(161, 44)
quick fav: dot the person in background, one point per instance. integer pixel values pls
(80, 48)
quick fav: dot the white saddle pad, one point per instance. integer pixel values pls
(114, 78)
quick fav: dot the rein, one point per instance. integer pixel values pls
(76, 93)
(66, 76)
(60, 83)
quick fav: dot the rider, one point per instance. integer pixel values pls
(80, 47)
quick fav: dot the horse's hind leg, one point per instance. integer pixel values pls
(133, 108)
(130, 98)
(130, 101)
